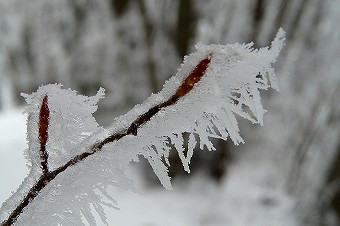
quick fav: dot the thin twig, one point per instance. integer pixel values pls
(47, 176)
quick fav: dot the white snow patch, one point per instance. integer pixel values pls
(12, 145)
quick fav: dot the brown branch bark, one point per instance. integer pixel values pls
(47, 176)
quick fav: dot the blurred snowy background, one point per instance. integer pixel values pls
(287, 173)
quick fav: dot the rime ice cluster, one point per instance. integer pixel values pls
(229, 88)
(70, 122)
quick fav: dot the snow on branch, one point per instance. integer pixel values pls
(73, 161)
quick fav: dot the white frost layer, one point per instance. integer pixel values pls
(229, 88)
(197, 202)
(70, 122)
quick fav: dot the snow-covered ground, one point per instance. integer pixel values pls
(240, 200)
(12, 145)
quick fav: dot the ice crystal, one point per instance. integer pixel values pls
(214, 86)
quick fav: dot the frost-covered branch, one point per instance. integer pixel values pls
(48, 176)
(74, 161)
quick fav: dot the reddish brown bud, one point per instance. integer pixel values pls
(194, 77)
(43, 121)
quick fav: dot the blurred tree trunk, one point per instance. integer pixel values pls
(186, 26)
(149, 37)
(332, 200)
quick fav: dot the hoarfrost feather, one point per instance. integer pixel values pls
(228, 89)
